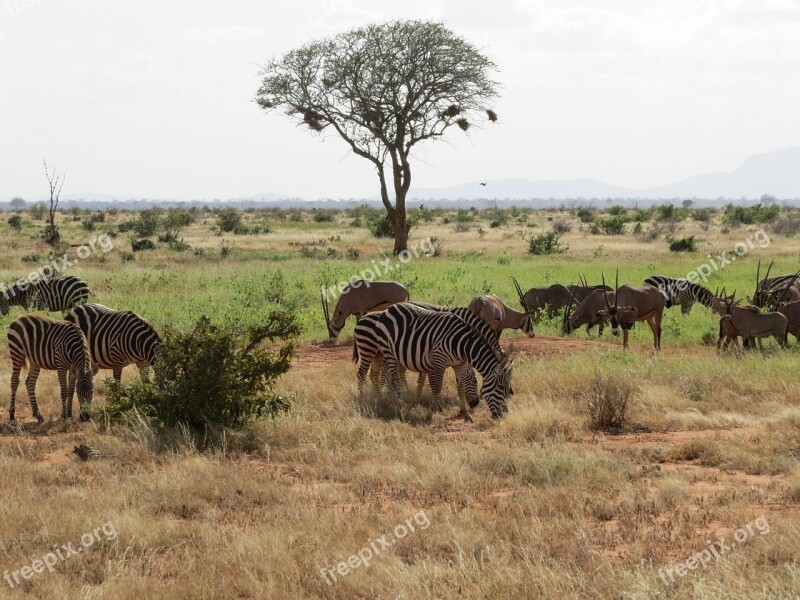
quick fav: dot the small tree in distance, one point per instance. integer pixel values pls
(51, 234)
(383, 89)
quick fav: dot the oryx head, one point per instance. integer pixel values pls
(617, 314)
(527, 325)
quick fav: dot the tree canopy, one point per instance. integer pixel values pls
(383, 89)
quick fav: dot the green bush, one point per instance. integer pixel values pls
(381, 227)
(323, 216)
(612, 225)
(750, 215)
(147, 223)
(686, 244)
(547, 243)
(15, 221)
(585, 214)
(213, 375)
(228, 219)
(139, 245)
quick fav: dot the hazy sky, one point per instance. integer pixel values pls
(154, 99)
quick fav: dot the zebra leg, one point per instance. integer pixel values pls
(117, 373)
(421, 379)
(144, 372)
(393, 377)
(65, 381)
(436, 378)
(30, 385)
(461, 371)
(14, 385)
(375, 370)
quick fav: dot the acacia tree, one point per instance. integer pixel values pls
(383, 89)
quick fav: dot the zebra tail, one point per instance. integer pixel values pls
(355, 352)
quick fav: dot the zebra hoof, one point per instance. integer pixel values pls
(85, 416)
(39, 418)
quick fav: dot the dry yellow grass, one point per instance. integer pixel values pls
(533, 506)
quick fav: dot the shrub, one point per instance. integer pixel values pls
(228, 219)
(323, 216)
(37, 211)
(461, 227)
(126, 226)
(607, 402)
(703, 215)
(547, 243)
(562, 227)
(213, 375)
(617, 210)
(128, 257)
(585, 214)
(750, 215)
(787, 226)
(686, 244)
(612, 225)
(381, 227)
(15, 221)
(88, 224)
(147, 223)
(145, 244)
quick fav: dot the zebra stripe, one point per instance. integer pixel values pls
(53, 294)
(466, 382)
(430, 342)
(46, 343)
(681, 291)
(117, 338)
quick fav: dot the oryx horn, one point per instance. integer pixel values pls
(605, 293)
(519, 293)
(325, 310)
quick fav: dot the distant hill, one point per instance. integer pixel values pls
(776, 173)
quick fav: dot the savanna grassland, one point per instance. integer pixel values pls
(540, 504)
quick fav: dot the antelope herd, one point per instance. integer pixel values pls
(394, 335)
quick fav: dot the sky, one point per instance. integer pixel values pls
(152, 99)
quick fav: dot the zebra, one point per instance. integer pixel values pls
(681, 291)
(429, 342)
(117, 338)
(466, 383)
(53, 294)
(46, 343)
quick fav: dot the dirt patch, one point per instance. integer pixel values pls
(321, 355)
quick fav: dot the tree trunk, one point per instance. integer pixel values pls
(401, 230)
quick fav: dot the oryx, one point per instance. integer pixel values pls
(770, 287)
(358, 298)
(552, 299)
(633, 304)
(587, 309)
(499, 316)
(749, 323)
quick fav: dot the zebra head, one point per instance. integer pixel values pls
(84, 386)
(496, 388)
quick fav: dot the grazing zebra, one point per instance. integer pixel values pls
(46, 343)
(681, 291)
(466, 383)
(430, 342)
(117, 338)
(53, 294)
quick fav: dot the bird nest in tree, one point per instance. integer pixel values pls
(463, 124)
(491, 114)
(451, 111)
